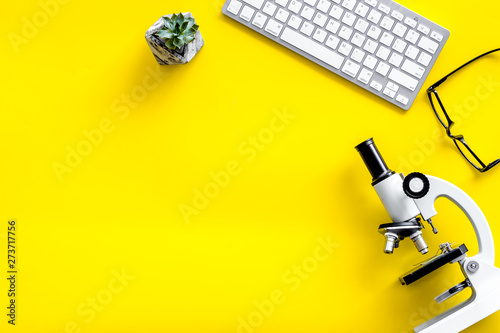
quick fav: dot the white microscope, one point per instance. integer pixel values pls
(410, 200)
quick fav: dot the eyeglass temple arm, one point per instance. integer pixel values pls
(437, 84)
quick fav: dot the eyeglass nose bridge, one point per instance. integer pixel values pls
(448, 131)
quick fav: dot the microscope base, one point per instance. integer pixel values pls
(485, 300)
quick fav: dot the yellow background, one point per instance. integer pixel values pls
(118, 210)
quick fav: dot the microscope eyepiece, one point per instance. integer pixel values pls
(373, 161)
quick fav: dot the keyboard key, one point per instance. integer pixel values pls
(295, 22)
(375, 85)
(247, 13)
(256, 3)
(307, 13)
(295, 6)
(320, 35)
(423, 29)
(384, 8)
(382, 68)
(307, 28)
(397, 15)
(391, 85)
(411, 22)
(424, 59)
(336, 12)
(259, 20)
(401, 99)
(374, 16)
(282, 15)
(345, 48)
(345, 33)
(320, 19)
(395, 59)
(324, 5)
(365, 76)
(412, 52)
(333, 26)
(332, 42)
(312, 48)
(389, 92)
(386, 39)
(399, 30)
(436, 36)
(282, 2)
(370, 62)
(370, 46)
(357, 55)
(358, 39)
(270, 8)
(383, 53)
(273, 27)
(412, 68)
(428, 45)
(374, 32)
(350, 68)
(387, 23)
(234, 7)
(349, 4)
(311, 2)
(412, 36)
(349, 19)
(372, 3)
(399, 45)
(361, 9)
(361, 25)
(403, 79)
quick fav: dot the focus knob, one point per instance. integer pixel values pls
(416, 185)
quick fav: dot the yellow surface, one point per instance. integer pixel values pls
(249, 258)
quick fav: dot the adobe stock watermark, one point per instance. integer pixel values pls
(248, 150)
(31, 26)
(292, 280)
(432, 309)
(88, 310)
(121, 108)
(459, 112)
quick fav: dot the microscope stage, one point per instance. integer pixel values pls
(433, 264)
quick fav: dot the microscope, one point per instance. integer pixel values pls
(409, 200)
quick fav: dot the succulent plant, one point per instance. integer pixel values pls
(177, 31)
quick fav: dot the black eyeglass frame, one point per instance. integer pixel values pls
(458, 138)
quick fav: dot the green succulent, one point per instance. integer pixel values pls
(177, 31)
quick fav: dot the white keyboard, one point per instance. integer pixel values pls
(377, 44)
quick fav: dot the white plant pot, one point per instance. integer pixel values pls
(164, 55)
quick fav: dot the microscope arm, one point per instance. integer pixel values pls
(479, 270)
(441, 188)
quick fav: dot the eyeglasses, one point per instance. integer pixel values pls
(447, 123)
